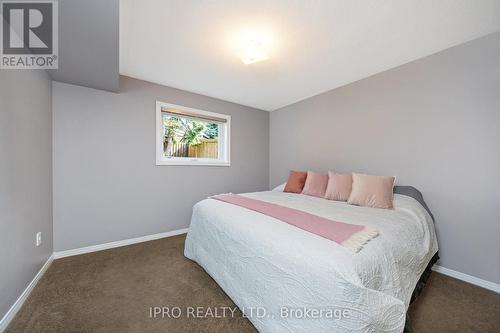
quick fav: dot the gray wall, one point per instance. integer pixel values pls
(106, 184)
(435, 123)
(89, 43)
(25, 179)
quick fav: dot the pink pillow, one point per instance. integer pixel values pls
(371, 191)
(296, 181)
(315, 184)
(339, 186)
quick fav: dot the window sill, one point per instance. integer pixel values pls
(193, 163)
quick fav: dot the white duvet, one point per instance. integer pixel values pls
(271, 269)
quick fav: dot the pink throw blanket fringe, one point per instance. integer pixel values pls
(351, 236)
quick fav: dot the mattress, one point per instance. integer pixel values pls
(289, 280)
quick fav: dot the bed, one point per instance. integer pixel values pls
(289, 280)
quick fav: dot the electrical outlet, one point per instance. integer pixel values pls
(38, 238)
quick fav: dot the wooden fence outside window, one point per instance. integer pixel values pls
(208, 148)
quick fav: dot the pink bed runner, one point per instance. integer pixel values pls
(351, 236)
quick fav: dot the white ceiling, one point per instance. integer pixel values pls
(318, 45)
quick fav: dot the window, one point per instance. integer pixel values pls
(186, 136)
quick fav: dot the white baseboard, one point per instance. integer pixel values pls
(105, 246)
(27, 291)
(467, 278)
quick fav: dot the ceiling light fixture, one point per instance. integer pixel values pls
(253, 52)
(254, 46)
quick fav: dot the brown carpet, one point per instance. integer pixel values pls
(113, 290)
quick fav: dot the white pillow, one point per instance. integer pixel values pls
(280, 188)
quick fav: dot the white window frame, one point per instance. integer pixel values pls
(224, 139)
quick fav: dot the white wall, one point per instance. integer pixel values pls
(434, 123)
(106, 184)
(25, 179)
